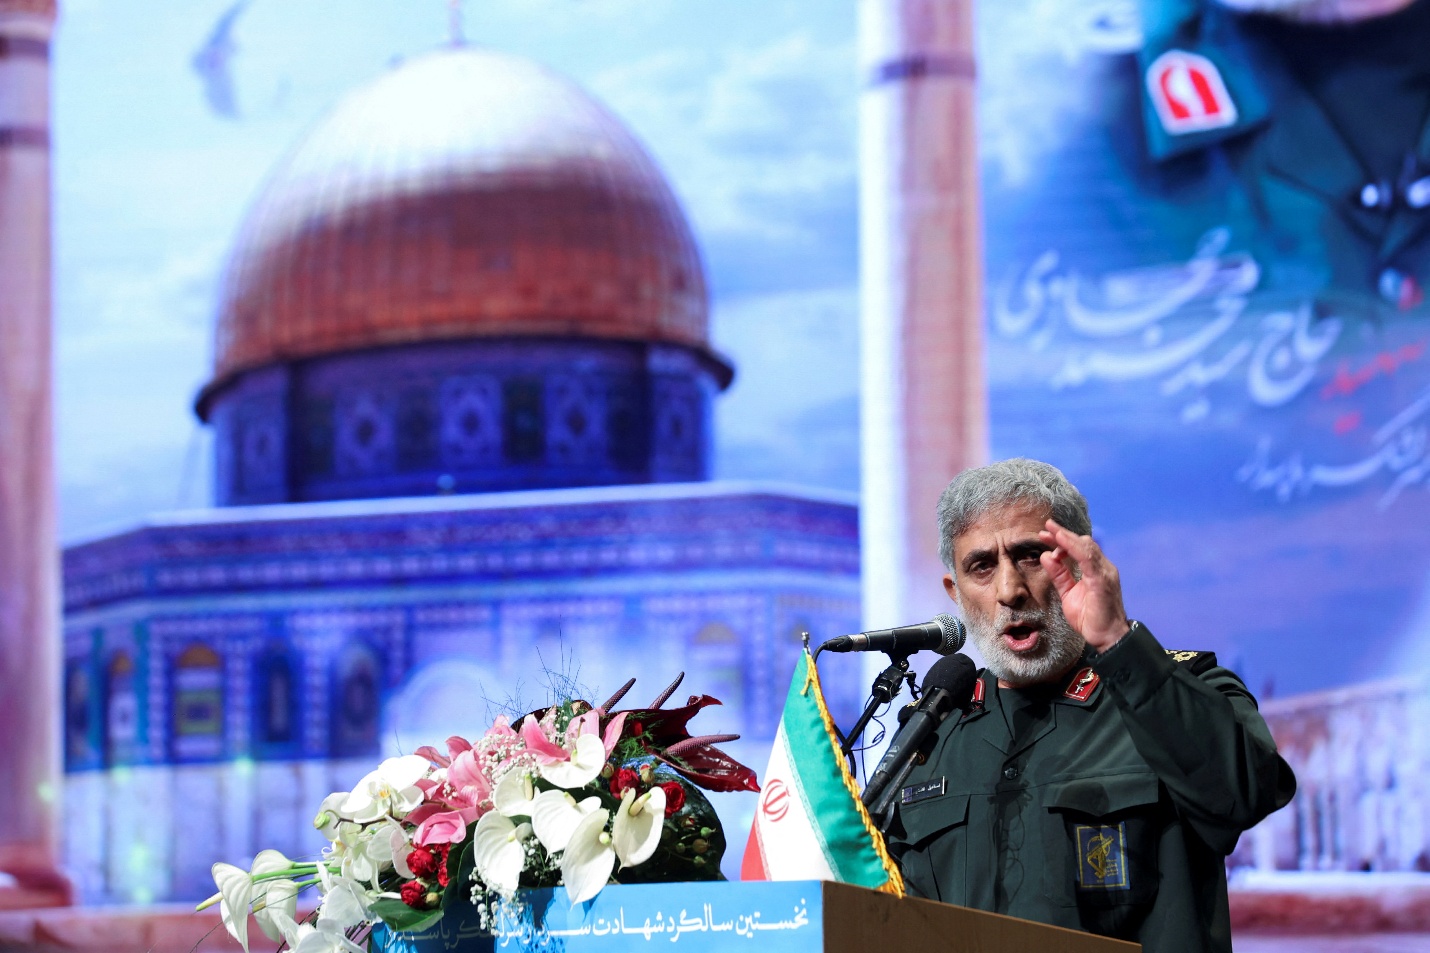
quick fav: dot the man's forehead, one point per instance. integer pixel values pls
(1001, 523)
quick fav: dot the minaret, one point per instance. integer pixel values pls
(30, 776)
(923, 397)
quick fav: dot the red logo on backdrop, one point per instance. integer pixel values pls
(1188, 93)
(775, 803)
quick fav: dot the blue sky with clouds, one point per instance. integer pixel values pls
(748, 106)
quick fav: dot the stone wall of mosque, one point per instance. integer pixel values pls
(226, 670)
(1362, 760)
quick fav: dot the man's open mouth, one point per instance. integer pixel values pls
(1020, 637)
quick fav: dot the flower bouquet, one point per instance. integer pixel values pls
(570, 796)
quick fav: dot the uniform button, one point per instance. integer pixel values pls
(1010, 772)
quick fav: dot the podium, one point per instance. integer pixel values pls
(798, 916)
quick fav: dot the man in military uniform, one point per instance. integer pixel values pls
(1097, 781)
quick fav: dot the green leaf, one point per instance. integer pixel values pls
(460, 862)
(399, 916)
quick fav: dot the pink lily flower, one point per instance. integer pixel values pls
(545, 750)
(590, 724)
(455, 746)
(449, 808)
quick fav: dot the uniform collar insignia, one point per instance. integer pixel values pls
(1083, 683)
(980, 692)
(1201, 81)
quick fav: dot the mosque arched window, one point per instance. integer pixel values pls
(197, 704)
(715, 657)
(80, 736)
(356, 703)
(121, 711)
(523, 420)
(275, 704)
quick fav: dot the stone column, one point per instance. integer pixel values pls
(30, 769)
(923, 398)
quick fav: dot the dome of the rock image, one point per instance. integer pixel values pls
(465, 193)
(474, 226)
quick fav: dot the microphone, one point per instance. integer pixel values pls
(948, 685)
(945, 635)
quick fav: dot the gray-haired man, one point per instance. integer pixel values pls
(1098, 780)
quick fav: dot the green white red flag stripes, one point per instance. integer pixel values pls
(810, 824)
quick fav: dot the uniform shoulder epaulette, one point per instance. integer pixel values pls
(1195, 662)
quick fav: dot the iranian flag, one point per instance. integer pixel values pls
(810, 824)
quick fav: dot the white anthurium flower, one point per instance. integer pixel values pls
(235, 887)
(498, 852)
(588, 757)
(237, 890)
(554, 816)
(390, 789)
(635, 833)
(588, 860)
(323, 938)
(279, 907)
(513, 796)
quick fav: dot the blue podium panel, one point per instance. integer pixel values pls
(776, 917)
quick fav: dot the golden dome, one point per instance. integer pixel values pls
(465, 194)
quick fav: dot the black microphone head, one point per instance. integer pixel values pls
(954, 674)
(954, 634)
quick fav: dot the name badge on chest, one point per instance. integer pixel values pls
(922, 791)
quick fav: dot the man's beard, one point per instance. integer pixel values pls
(1059, 644)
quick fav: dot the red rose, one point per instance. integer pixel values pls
(625, 778)
(442, 876)
(413, 894)
(674, 796)
(422, 862)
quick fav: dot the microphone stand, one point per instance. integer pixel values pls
(885, 687)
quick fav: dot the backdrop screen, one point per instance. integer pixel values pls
(1207, 247)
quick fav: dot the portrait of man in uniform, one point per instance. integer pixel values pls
(1208, 242)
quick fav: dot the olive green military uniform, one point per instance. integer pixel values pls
(1106, 802)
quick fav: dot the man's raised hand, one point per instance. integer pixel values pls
(1092, 603)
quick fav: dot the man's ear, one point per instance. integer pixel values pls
(950, 587)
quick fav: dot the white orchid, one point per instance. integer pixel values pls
(514, 794)
(635, 833)
(363, 853)
(236, 890)
(499, 851)
(345, 903)
(555, 815)
(327, 820)
(391, 790)
(589, 859)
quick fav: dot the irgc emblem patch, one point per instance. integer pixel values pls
(1102, 857)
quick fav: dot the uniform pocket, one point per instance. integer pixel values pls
(935, 861)
(1101, 837)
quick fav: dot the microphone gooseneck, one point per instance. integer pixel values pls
(948, 685)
